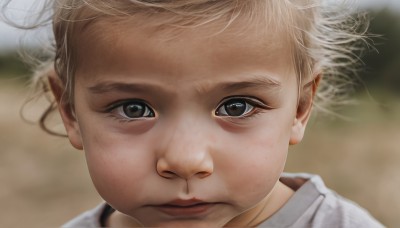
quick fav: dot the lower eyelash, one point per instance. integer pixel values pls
(120, 120)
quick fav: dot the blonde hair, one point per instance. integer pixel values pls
(324, 37)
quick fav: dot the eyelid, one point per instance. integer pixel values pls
(256, 102)
(259, 106)
(111, 108)
(119, 103)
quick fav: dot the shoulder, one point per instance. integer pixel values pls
(314, 205)
(336, 211)
(88, 219)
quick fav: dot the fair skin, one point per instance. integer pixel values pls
(189, 131)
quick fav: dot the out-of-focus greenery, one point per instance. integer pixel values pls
(11, 65)
(382, 68)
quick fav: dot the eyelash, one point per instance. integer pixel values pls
(257, 107)
(117, 111)
(253, 107)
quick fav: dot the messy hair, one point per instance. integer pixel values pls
(324, 37)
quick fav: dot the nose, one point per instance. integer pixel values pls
(185, 155)
(195, 165)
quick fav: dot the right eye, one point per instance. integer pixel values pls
(133, 110)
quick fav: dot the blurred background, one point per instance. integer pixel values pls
(45, 181)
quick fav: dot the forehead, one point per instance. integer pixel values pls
(257, 42)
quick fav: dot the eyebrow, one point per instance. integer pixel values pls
(105, 87)
(256, 82)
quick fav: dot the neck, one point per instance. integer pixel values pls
(265, 209)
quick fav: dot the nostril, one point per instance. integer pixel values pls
(164, 170)
(203, 174)
(168, 174)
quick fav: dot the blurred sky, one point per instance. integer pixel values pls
(11, 37)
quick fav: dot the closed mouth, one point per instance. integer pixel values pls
(184, 208)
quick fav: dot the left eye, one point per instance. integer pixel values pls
(235, 107)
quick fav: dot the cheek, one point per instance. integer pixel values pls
(116, 161)
(253, 162)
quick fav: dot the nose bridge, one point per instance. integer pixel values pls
(185, 151)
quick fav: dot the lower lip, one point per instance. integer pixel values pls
(195, 210)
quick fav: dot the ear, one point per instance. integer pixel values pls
(304, 110)
(66, 112)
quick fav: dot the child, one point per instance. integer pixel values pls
(185, 109)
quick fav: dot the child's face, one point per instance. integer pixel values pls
(192, 130)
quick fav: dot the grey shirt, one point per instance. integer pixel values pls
(312, 205)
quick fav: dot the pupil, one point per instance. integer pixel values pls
(235, 108)
(134, 110)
